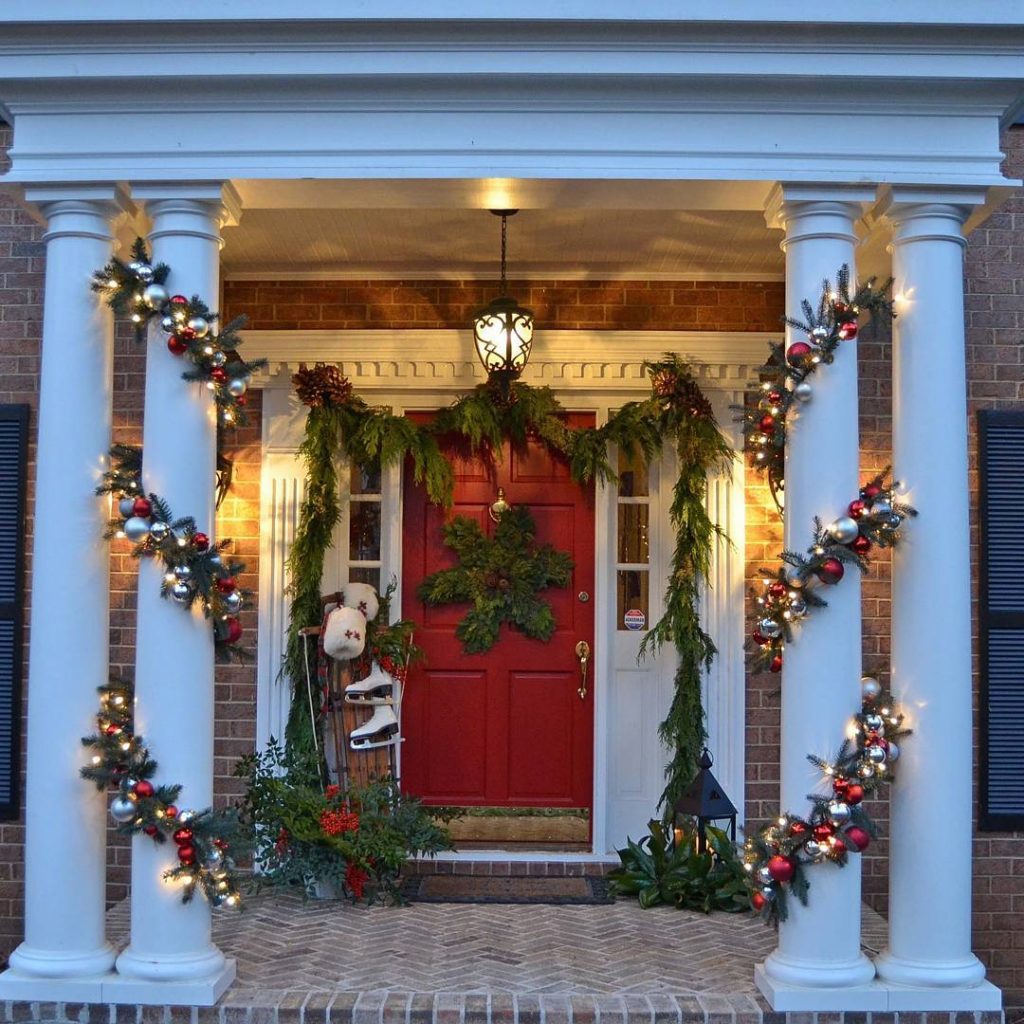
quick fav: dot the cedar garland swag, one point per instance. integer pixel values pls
(677, 412)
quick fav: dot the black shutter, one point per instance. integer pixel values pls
(1001, 619)
(13, 462)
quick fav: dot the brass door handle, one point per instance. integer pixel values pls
(583, 653)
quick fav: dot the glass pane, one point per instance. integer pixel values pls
(632, 477)
(632, 605)
(371, 576)
(633, 533)
(364, 531)
(365, 480)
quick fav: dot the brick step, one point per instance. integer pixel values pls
(516, 868)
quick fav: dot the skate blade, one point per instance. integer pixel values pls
(368, 702)
(393, 740)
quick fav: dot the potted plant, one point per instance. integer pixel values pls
(331, 841)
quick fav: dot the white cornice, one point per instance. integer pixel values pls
(443, 360)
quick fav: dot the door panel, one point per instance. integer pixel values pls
(504, 728)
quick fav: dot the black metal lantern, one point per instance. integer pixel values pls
(706, 801)
(503, 330)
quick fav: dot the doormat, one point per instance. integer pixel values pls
(507, 889)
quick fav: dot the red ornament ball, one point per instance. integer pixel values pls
(857, 837)
(823, 832)
(171, 811)
(201, 541)
(757, 901)
(177, 345)
(857, 509)
(234, 630)
(182, 836)
(187, 333)
(871, 492)
(781, 868)
(219, 374)
(187, 854)
(854, 793)
(774, 397)
(798, 828)
(798, 353)
(759, 638)
(848, 330)
(841, 310)
(841, 787)
(142, 507)
(220, 844)
(242, 400)
(766, 424)
(838, 846)
(861, 545)
(831, 571)
(143, 789)
(178, 300)
(112, 730)
(227, 584)
(151, 830)
(777, 589)
(776, 664)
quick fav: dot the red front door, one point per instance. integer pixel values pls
(508, 727)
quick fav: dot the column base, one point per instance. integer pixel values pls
(204, 991)
(31, 988)
(961, 997)
(785, 996)
(966, 972)
(37, 973)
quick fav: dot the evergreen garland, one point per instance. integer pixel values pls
(677, 412)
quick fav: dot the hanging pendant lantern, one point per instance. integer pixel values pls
(503, 330)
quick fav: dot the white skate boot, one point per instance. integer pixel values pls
(380, 731)
(377, 688)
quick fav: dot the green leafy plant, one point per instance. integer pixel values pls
(501, 577)
(672, 869)
(354, 841)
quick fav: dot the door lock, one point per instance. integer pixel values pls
(583, 653)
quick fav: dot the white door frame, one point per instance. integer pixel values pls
(593, 371)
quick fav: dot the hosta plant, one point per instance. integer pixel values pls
(666, 866)
(352, 841)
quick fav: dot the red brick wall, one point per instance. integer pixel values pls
(995, 302)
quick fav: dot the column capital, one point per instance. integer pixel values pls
(83, 211)
(191, 197)
(922, 213)
(788, 201)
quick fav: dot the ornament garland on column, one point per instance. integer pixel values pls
(777, 856)
(872, 519)
(677, 413)
(136, 289)
(195, 568)
(204, 839)
(785, 379)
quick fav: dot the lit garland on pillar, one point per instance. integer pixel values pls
(121, 759)
(785, 377)
(776, 857)
(136, 289)
(195, 569)
(872, 520)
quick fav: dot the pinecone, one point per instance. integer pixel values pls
(664, 383)
(690, 396)
(322, 384)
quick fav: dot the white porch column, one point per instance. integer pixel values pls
(170, 957)
(929, 938)
(65, 951)
(818, 964)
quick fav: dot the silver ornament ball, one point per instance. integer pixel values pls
(865, 770)
(215, 560)
(143, 271)
(181, 592)
(213, 860)
(159, 530)
(200, 325)
(186, 816)
(768, 892)
(167, 325)
(813, 849)
(819, 334)
(874, 722)
(880, 509)
(895, 520)
(155, 296)
(183, 572)
(844, 530)
(876, 755)
(238, 387)
(838, 812)
(803, 392)
(126, 507)
(769, 628)
(233, 601)
(893, 753)
(870, 687)
(136, 529)
(122, 809)
(219, 358)
(797, 607)
(764, 876)
(794, 577)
